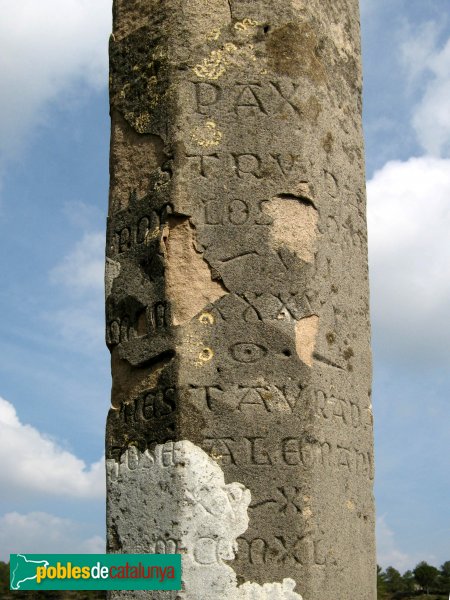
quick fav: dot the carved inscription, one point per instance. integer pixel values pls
(342, 411)
(247, 352)
(236, 304)
(149, 405)
(141, 233)
(119, 331)
(292, 452)
(138, 324)
(236, 212)
(294, 551)
(268, 398)
(288, 502)
(254, 98)
(247, 165)
(204, 163)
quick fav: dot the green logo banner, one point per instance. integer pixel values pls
(95, 572)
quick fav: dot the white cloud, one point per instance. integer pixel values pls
(33, 463)
(42, 533)
(80, 276)
(432, 117)
(47, 47)
(82, 270)
(429, 67)
(366, 6)
(409, 221)
(389, 554)
(418, 48)
(82, 215)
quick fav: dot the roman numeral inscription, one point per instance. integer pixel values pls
(240, 428)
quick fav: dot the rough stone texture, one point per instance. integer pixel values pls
(178, 488)
(237, 287)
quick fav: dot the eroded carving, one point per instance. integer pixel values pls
(198, 515)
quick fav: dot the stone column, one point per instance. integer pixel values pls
(237, 298)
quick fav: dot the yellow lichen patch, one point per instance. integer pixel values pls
(213, 66)
(205, 355)
(140, 122)
(307, 513)
(151, 235)
(189, 286)
(206, 318)
(213, 35)
(151, 82)
(294, 225)
(350, 505)
(305, 338)
(207, 135)
(246, 25)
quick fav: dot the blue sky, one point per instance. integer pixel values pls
(54, 368)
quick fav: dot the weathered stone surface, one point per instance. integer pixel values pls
(177, 487)
(237, 292)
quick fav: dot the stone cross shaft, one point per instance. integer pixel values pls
(240, 430)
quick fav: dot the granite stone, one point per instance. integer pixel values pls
(237, 310)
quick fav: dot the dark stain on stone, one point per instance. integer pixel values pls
(294, 50)
(139, 80)
(331, 337)
(348, 353)
(328, 142)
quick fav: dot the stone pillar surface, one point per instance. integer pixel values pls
(240, 432)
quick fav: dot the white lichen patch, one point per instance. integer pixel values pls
(174, 499)
(305, 338)
(112, 270)
(294, 226)
(207, 135)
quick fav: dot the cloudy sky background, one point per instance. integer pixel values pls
(54, 370)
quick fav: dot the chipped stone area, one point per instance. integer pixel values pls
(341, 39)
(128, 382)
(134, 157)
(305, 338)
(189, 285)
(112, 270)
(294, 225)
(174, 499)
